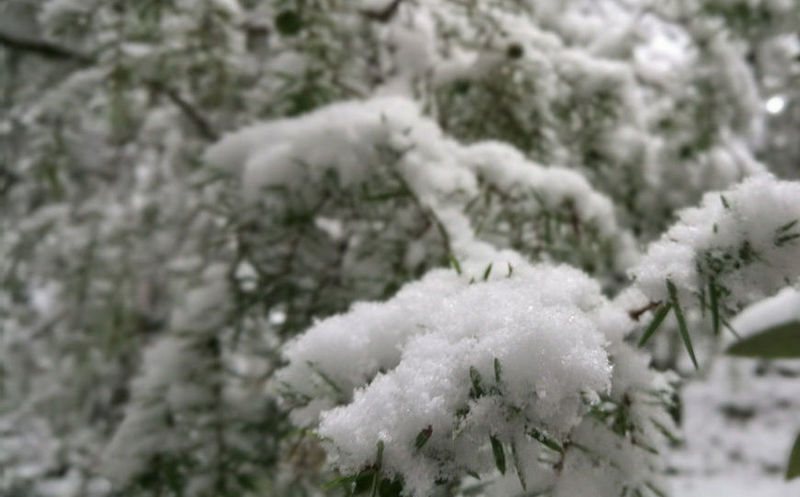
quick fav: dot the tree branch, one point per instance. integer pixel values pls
(635, 314)
(50, 50)
(203, 126)
(43, 48)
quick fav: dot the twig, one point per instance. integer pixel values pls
(200, 122)
(635, 314)
(43, 48)
(54, 51)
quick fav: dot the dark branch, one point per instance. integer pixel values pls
(635, 314)
(50, 50)
(203, 126)
(43, 48)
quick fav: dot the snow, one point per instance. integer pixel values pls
(539, 342)
(169, 388)
(776, 310)
(739, 424)
(359, 139)
(744, 237)
(611, 102)
(548, 349)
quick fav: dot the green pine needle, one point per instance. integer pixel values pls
(712, 290)
(518, 466)
(787, 226)
(475, 377)
(423, 437)
(499, 454)
(326, 379)
(651, 329)
(454, 262)
(487, 272)
(687, 341)
(544, 440)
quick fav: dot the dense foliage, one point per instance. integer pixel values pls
(398, 246)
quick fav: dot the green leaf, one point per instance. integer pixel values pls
(661, 313)
(784, 239)
(546, 441)
(475, 377)
(687, 341)
(778, 342)
(326, 379)
(499, 454)
(787, 226)
(487, 272)
(518, 466)
(713, 296)
(655, 490)
(341, 481)
(422, 437)
(793, 470)
(454, 262)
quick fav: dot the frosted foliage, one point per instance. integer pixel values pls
(745, 238)
(344, 138)
(530, 352)
(159, 268)
(168, 387)
(358, 140)
(624, 93)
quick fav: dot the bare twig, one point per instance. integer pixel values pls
(51, 50)
(203, 126)
(635, 314)
(43, 48)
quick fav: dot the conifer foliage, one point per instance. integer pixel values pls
(380, 247)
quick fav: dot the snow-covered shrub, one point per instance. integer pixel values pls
(157, 265)
(738, 247)
(524, 372)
